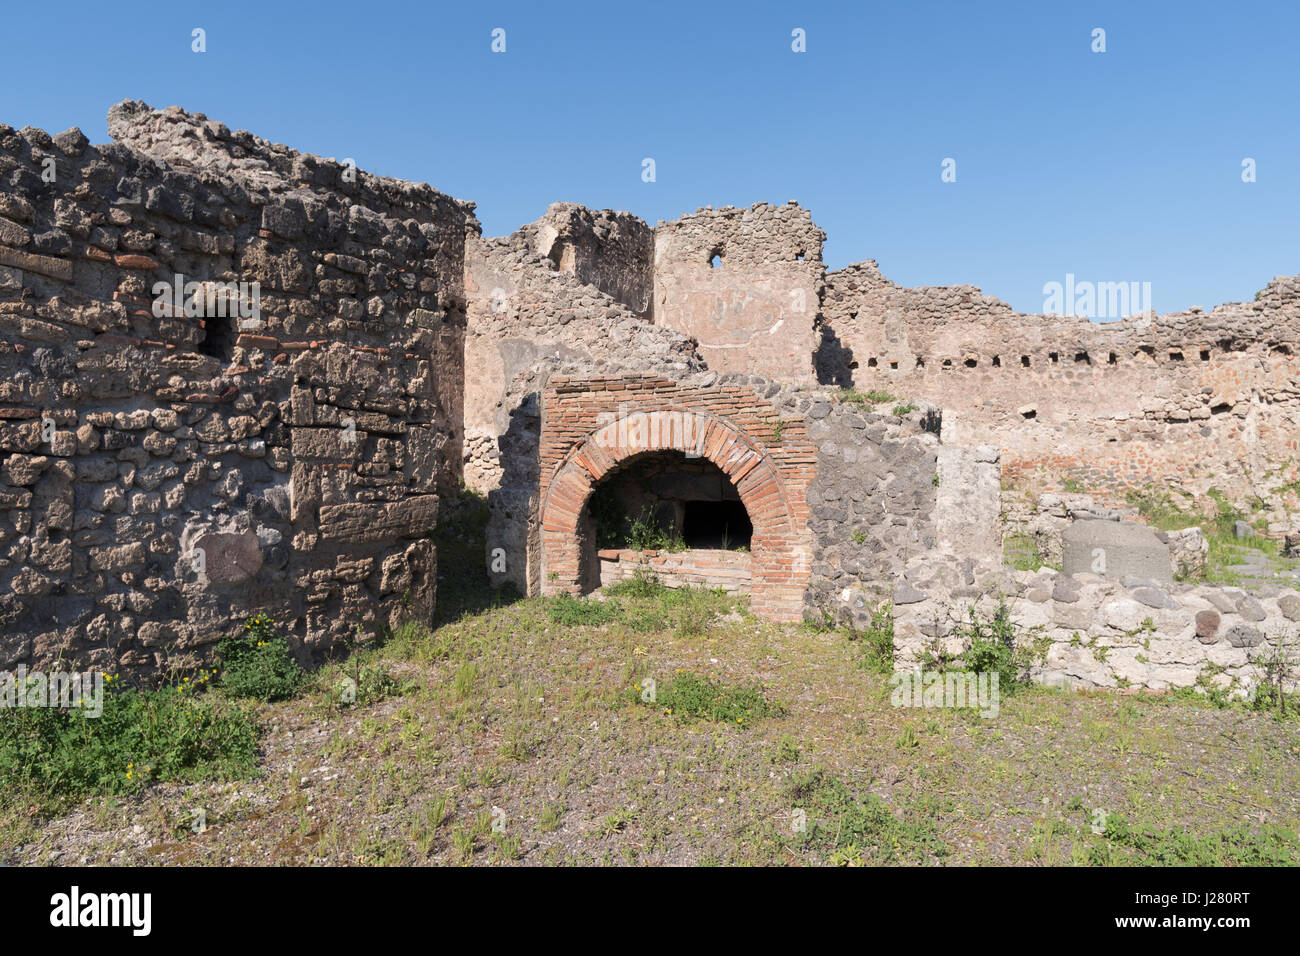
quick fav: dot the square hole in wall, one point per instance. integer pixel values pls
(218, 336)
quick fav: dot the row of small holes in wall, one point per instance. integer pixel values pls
(1054, 358)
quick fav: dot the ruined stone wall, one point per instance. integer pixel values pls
(525, 308)
(166, 474)
(1189, 400)
(613, 251)
(893, 509)
(745, 283)
(1087, 631)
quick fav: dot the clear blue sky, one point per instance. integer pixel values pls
(1120, 166)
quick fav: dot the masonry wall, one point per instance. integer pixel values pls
(1191, 401)
(732, 571)
(746, 284)
(591, 425)
(573, 288)
(164, 477)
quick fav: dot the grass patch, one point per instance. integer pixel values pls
(849, 830)
(52, 757)
(689, 695)
(1159, 509)
(1021, 552)
(1242, 845)
(868, 399)
(570, 611)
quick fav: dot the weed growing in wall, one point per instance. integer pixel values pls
(991, 644)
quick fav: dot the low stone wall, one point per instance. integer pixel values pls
(696, 567)
(1095, 632)
(1044, 519)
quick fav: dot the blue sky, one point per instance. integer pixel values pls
(1115, 166)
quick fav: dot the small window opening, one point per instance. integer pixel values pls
(1175, 356)
(997, 361)
(1112, 359)
(920, 362)
(871, 363)
(971, 363)
(1024, 361)
(1081, 358)
(1054, 357)
(1205, 355)
(218, 336)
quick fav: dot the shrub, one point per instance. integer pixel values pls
(646, 534)
(991, 645)
(878, 640)
(643, 583)
(257, 663)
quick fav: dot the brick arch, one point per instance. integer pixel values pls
(780, 549)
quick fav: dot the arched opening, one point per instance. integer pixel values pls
(679, 442)
(668, 499)
(684, 510)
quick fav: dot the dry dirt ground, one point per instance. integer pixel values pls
(509, 738)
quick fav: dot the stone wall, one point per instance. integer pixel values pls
(547, 294)
(745, 284)
(171, 467)
(1189, 401)
(1098, 632)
